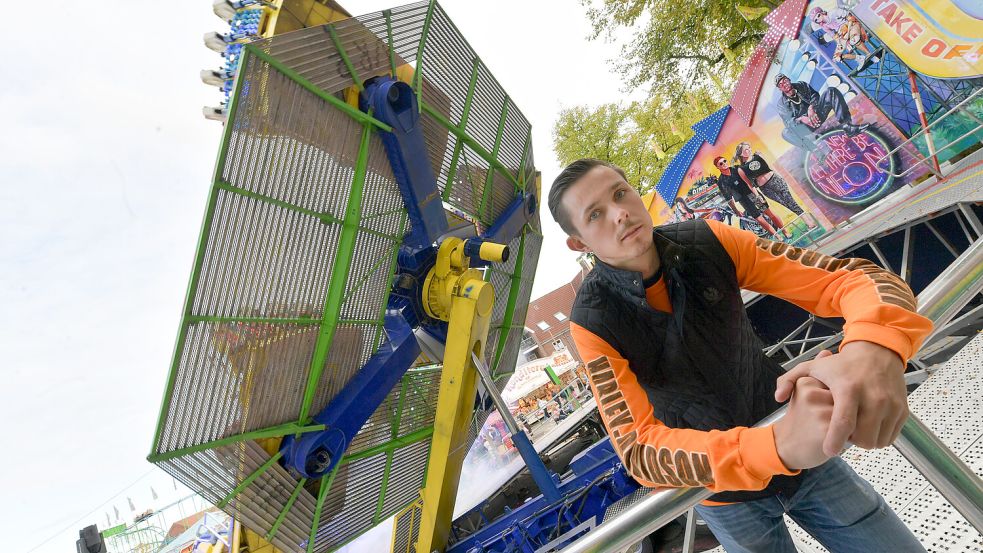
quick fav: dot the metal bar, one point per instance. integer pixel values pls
(393, 433)
(323, 217)
(509, 315)
(537, 469)
(300, 321)
(344, 57)
(388, 14)
(408, 439)
(962, 225)
(932, 124)
(689, 535)
(339, 275)
(359, 116)
(269, 320)
(392, 275)
(942, 331)
(472, 143)
(880, 255)
(490, 178)
(203, 236)
(950, 144)
(270, 432)
(249, 479)
(322, 493)
(938, 235)
(921, 115)
(782, 342)
(521, 176)
(943, 469)
(906, 252)
(286, 509)
(805, 339)
(455, 158)
(971, 218)
(418, 74)
(939, 301)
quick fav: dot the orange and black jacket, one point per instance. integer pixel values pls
(680, 376)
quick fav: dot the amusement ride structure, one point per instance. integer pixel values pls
(358, 295)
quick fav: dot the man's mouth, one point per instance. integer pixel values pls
(631, 232)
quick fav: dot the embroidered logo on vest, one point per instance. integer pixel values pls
(712, 295)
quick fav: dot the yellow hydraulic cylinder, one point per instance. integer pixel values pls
(458, 294)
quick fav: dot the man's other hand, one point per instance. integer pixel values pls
(800, 433)
(870, 400)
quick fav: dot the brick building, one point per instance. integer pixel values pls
(547, 326)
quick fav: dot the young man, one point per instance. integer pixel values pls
(680, 376)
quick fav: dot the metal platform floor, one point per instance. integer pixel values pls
(950, 402)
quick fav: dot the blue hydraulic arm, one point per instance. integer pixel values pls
(315, 454)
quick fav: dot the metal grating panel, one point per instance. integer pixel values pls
(280, 275)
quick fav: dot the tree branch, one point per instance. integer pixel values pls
(719, 58)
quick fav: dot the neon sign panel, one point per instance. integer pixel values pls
(855, 171)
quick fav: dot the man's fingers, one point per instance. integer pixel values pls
(786, 382)
(886, 434)
(870, 422)
(899, 424)
(841, 424)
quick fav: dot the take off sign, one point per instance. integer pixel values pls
(938, 38)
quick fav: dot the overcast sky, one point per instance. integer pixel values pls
(105, 166)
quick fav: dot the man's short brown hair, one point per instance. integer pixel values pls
(569, 175)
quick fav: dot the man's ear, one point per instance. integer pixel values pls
(576, 245)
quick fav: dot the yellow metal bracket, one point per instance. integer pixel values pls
(458, 294)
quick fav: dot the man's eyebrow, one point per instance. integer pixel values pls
(590, 207)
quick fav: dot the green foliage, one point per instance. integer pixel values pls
(677, 42)
(638, 137)
(688, 53)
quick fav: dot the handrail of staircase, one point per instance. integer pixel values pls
(940, 302)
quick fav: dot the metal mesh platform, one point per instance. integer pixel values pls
(295, 263)
(950, 402)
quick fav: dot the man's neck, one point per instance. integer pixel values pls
(647, 263)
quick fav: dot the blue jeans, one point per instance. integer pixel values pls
(837, 507)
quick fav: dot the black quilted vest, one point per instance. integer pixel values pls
(702, 366)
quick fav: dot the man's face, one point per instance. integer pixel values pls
(609, 218)
(723, 167)
(785, 85)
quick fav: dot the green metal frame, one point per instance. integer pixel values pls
(458, 145)
(339, 274)
(351, 225)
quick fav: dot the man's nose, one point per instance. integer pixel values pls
(621, 215)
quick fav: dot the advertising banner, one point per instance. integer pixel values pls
(939, 38)
(818, 131)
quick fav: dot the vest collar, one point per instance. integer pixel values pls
(631, 282)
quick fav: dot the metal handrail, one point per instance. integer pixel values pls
(940, 301)
(957, 107)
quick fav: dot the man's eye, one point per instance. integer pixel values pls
(593, 215)
(619, 194)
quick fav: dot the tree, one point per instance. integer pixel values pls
(640, 137)
(689, 43)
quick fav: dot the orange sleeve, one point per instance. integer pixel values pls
(654, 454)
(877, 305)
